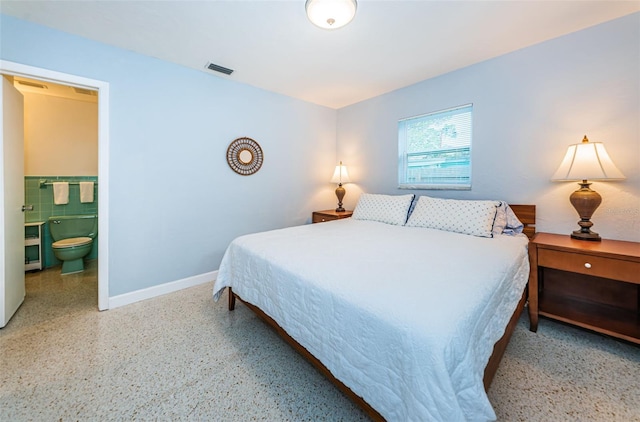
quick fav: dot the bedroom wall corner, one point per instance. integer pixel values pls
(529, 105)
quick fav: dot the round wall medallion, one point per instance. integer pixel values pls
(244, 156)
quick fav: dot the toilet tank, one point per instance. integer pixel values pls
(67, 226)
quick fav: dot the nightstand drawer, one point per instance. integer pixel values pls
(616, 269)
(321, 218)
(329, 215)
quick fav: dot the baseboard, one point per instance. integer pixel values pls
(162, 289)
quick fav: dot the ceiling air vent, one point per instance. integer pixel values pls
(33, 84)
(85, 91)
(220, 69)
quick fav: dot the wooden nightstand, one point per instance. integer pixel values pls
(328, 215)
(594, 285)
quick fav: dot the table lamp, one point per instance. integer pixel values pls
(340, 176)
(586, 161)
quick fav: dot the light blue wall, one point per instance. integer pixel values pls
(174, 204)
(528, 107)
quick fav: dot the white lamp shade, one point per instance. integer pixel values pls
(587, 161)
(340, 175)
(331, 14)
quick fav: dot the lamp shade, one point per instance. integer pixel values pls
(340, 174)
(331, 14)
(587, 161)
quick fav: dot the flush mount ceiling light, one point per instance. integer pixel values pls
(331, 14)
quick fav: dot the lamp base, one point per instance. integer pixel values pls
(588, 235)
(340, 192)
(585, 201)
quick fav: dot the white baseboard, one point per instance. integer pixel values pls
(162, 289)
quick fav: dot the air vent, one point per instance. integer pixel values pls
(85, 92)
(220, 69)
(33, 84)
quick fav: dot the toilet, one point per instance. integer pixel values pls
(73, 239)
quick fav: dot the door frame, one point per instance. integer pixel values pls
(31, 72)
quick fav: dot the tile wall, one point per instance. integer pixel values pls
(43, 207)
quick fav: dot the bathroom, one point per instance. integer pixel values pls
(60, 145)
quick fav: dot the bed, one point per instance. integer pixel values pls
(407, 306)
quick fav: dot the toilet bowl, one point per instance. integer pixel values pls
(73, 237)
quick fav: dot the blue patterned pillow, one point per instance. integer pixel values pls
(461, 216)
(390, 209)
(506, 221)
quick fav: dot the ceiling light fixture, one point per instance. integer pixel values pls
(331, 14)
(32, 84)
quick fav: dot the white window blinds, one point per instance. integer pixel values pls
(434, 150)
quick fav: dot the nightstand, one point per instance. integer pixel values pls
(593, 285)
(329, 215)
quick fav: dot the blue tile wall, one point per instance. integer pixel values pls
(43, 207)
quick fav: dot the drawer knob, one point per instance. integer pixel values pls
(587, 265)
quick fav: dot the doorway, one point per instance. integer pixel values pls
(45, 75)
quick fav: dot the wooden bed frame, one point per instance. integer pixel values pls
(526, 214)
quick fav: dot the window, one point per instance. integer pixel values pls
(434, 150)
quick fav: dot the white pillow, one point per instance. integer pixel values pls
(390, 209)
(455, 215)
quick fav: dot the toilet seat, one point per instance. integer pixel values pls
(72, 242)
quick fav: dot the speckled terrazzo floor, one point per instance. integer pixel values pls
(184, 357)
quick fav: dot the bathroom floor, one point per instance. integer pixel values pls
(51, 296)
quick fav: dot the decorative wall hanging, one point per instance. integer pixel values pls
(244, 156)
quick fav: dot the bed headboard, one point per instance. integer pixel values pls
(527, 215)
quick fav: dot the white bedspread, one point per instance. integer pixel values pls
(405, 317)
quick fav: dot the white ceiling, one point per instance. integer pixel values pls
(272, 45)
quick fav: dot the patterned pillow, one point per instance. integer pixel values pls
(390, 209)
(506, 221)
(500, 222)
(469, 217)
